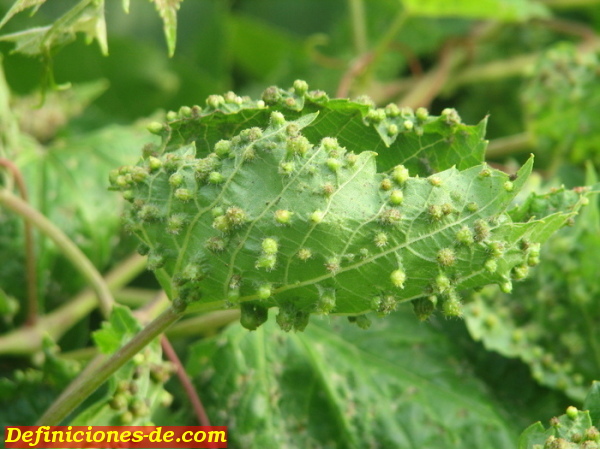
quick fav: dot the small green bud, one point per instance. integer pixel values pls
(450, 116)
(304, 254)
(328, 189)
(506, 286)
(435, 211)
(446, 257)
(283, 216)
(384, 305)
(216, 178)
(398, 277)
(422, 114)
(392, 129)
(361, 321)
(351, 159)
(400, 174)
(185, 112)
(300, 87)
(264, 291)
(154, 163)
(472, 207)
(520, 272)
(155, 261)
(222, 148)
(572, 412)
(217, 211)
(118, 402)
(485, 173)
(176, 179)
(126, 418)
(408, 125)
(381, 239)
(464, 236)
(183, 194)
(266, 261)
(491, 265)
(390, 217)
(298, 145)
(435, 181)
(253, 315)
(270, 246)
(192, 272)
(175, 224)
(286, 168)
(172, 116)
(508, 186)
(333, 265)
(155, 127)
(496, 249)
(277, 119)
(423, 307)
(215, 244)
(442, 283)
(333, 164)
(482, 230)
(251, 134)
(221, 223)
(317, 216)
(396, 197)
(452, 307)
(149, 213)
(214, 101)
(392, 110)
(236, 216)
(290, 102)
(386, 184)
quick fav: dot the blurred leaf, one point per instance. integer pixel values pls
(18, 6)
(86, 17)
(168, 13)
(337, 386)
(561, 101)
(27, 393)
(592, 403)
(506, 10)
(563, 294)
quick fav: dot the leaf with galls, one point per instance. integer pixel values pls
(300, 226)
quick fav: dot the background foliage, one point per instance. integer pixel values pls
(82, 79)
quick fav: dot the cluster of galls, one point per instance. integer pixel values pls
(132, 405)
(573, 435)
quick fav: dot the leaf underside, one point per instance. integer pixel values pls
(324, 206)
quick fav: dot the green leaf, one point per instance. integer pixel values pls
(21, 5)
(592, 403)
(86, 17)
(136, 391)
(337, 386)
(283, 215)
(505, 10)
(571, 430)
(27, 393)
(563, 294)
(168, 13)
(560, 102)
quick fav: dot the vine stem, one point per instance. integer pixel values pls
(185, 382)
(30, 260)
(100, 370)
(357, 13)
(67, 247)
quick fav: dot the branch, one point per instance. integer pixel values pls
(30, 260)
(92, 378)
(27, 340)
(66, 245)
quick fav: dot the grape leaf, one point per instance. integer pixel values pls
(337, 386)
(563, 294)
(21, 5)
(86, 17)
(272, 217)
(167, 10)
(572, 430)
(560, 101)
